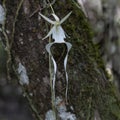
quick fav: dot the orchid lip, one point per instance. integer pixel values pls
(58, 35)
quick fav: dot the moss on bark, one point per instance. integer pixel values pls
(89, 89)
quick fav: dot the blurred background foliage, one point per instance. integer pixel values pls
(104, 16)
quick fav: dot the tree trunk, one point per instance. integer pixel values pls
(90, 92)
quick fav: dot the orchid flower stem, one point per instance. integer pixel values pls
(52, 92)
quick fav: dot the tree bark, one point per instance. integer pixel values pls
(90, 91)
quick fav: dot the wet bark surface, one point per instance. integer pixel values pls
(87, 81)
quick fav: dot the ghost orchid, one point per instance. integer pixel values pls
(58, 35)
(56, 31)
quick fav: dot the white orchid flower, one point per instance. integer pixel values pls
(58, 35)
(56, 31)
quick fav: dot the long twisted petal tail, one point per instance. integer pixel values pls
(48, 46)
(65, 66)
(65, 17)
(47, 19)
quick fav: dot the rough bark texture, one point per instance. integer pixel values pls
(89, 89)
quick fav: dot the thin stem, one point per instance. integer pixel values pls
(51, 74)
(27, 97)
(8, 53)
(51, 7)
(31, 104)
(16, 15)
(61, 55)
(51, 79)
(47, 6)
(7, 44)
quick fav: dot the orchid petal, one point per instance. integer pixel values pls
(58, 34)
(65, 17)
(47, 19)
(51, 32)
(65, 66)
(48, 48)
(56, 17)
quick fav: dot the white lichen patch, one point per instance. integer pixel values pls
(23, 77)
(2, 14)
(60, 105)
(50, 115)
(67, 116)
(61, 111)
